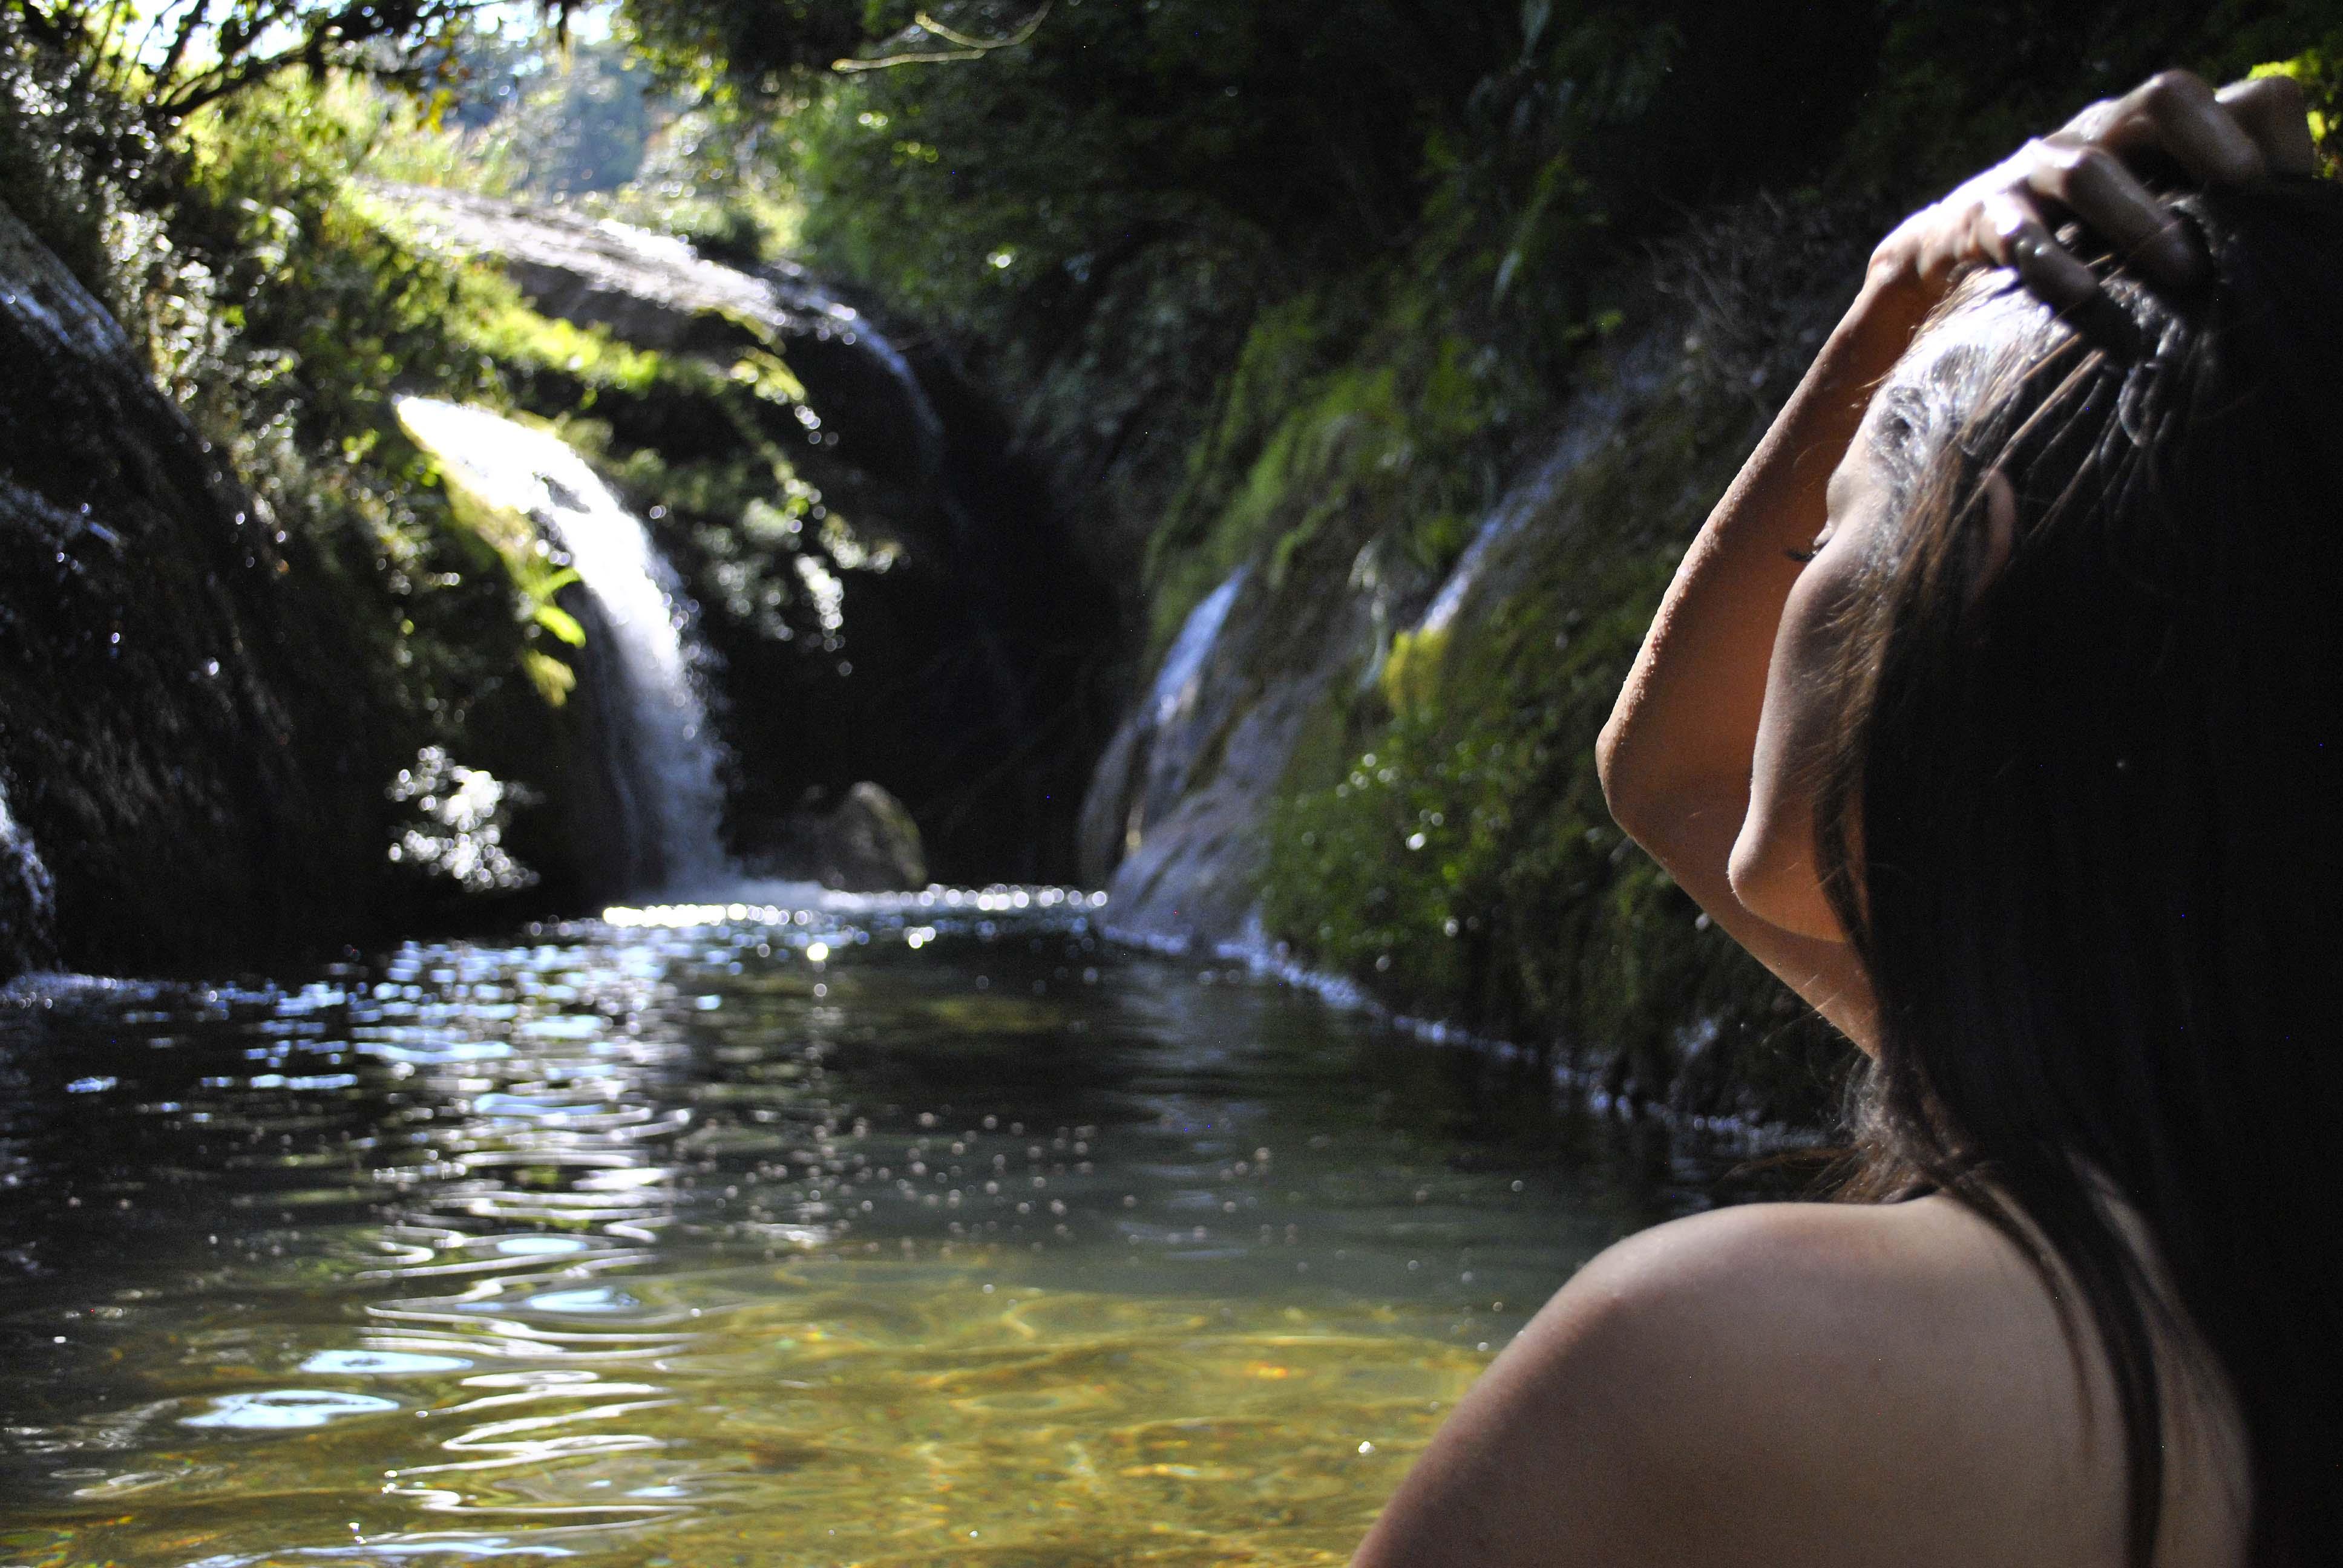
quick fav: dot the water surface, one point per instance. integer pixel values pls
(897, 1233)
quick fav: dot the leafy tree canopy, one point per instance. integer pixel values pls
(177, 57)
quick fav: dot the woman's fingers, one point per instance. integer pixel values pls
(2236, 136)
(2271, 110)
(2231, 138)
(2011, 231)
(2176, 113)
(2093, 184)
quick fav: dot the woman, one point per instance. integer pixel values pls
(1995, 710)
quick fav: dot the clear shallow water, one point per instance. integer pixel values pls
(895, 1233)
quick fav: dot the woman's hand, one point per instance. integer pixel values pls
(2004, 216)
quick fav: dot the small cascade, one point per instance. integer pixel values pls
(1146, 767)
(667, 752)
(1596, 414)
(27, 896)
(1173, 695)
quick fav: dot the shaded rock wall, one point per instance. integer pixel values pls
(195, 733)
(158, 659)
(1177, 819)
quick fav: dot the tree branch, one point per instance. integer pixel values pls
(967, 47)
(985, 45)
(888, 62)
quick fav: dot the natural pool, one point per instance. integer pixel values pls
(897, 1231)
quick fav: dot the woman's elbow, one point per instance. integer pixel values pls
(1615, 771)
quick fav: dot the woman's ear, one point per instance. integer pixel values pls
(2000, 532)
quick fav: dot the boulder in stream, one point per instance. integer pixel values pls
(866, 843)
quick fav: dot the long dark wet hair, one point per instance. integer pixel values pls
(2083, 825)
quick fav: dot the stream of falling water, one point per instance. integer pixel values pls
(916, 1230)
(670, 765)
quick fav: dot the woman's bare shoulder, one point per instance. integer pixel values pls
(1775, 1383)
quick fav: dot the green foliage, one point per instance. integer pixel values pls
(1958, 84)
(1401, 440)
(515, 338)
(69, 156)
(285, 317)
(770, 46)
(2319, 73)
(282, 318)
(737, 523)
(1010, 198)
(534, 116)
(165, 63)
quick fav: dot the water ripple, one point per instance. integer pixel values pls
(895, 1230)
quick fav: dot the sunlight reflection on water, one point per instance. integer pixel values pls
(660, 1238)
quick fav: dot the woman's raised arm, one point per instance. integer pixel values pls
(1676, 755)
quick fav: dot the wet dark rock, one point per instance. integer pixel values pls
(866, 843)
(1191, 876)
(649, 291)
(1173, 824)
(157, 658)
(27, 900)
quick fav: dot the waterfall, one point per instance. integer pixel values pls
(1595, 414)
(27, 896)
(668, 752)
(1175, 688)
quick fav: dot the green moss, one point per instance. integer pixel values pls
(1450, 848)
(1410, 680)
(1399, 439)
(508, 331)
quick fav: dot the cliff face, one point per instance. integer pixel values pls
(1177, 820)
